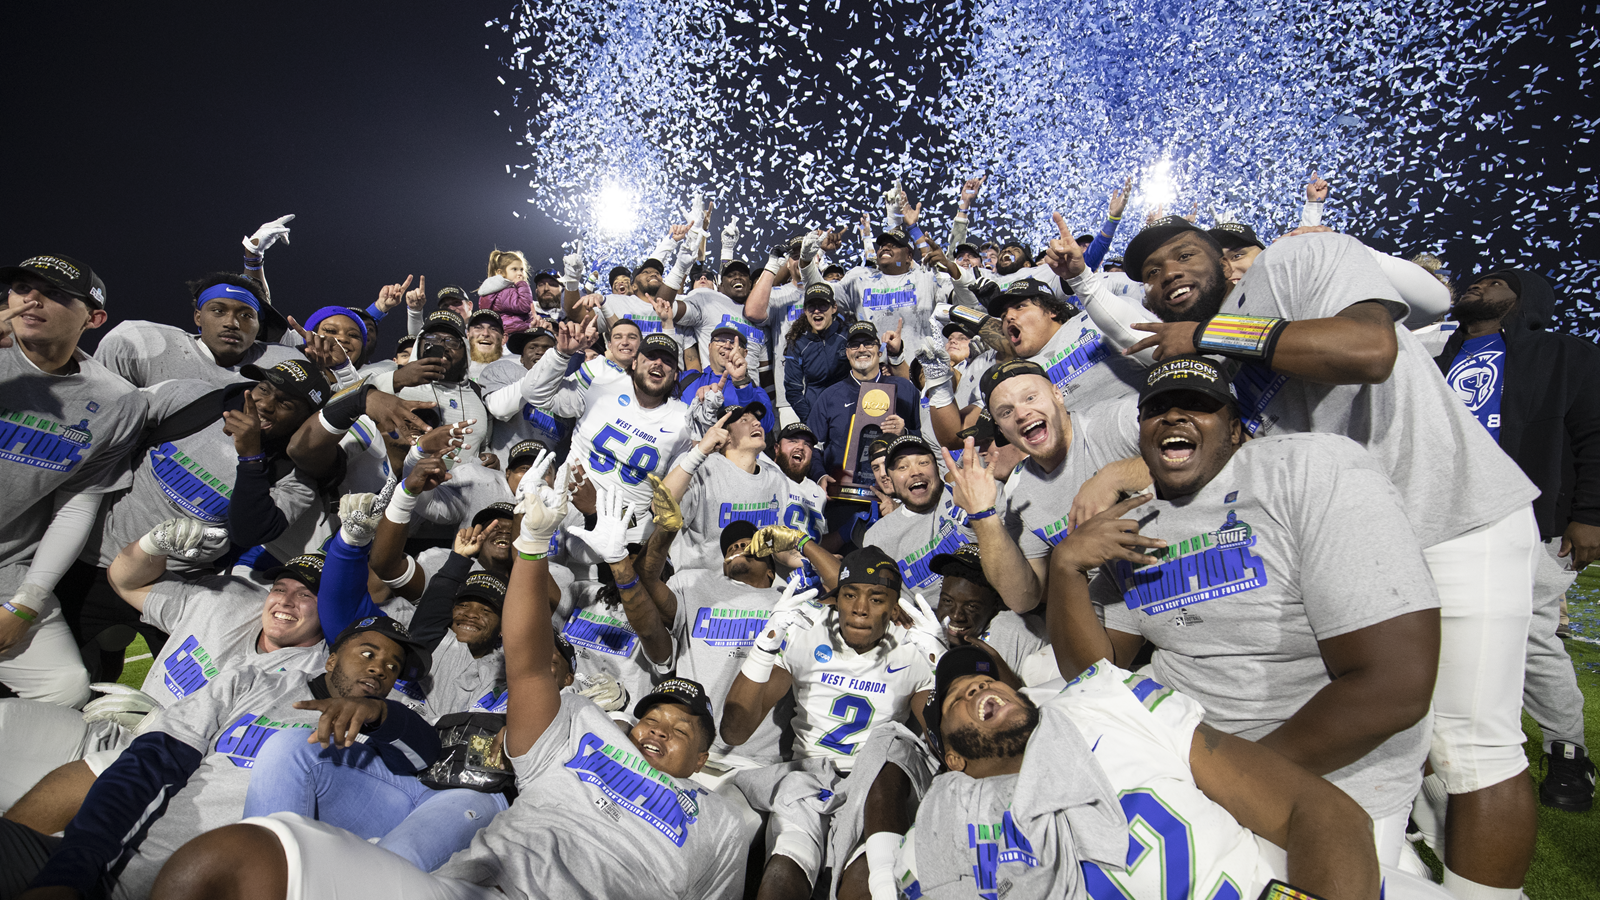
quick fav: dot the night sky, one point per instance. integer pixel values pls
(151, 141)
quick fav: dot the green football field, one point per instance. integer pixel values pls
(1566, 864)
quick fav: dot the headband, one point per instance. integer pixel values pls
(328, 312)
(228, 292)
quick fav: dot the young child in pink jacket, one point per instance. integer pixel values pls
(506, 290)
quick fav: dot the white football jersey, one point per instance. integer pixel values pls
(622, 443)
(841, 695)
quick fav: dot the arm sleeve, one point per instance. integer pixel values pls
(405, 740)
(1428, 298)
(62, 542)
(1311, 213)
(1112, 314)
(432, 618)
(504, 402)
(117, 813)
(253, 517)
(414, 320)
(1096, 253)
(543, 381)
(342, 596)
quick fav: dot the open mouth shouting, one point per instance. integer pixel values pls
(1034, 432)
(370, 686)
(989, 705)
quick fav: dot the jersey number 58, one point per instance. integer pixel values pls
(644, 460)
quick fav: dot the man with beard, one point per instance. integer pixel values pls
(1063, 450)
(727, 373)
(438, 375)
(832, 414)
(1314, 325)
(627, 429)
(1286, 592)
(190, 770)
(1536, 392)
(928, 522)
(218, 622)
(230, 312)
(485, 342)
(546, 299)
(725, 478)
(1042, 799)
(795, 451)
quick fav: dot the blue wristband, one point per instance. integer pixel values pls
(631, 584)
(981, 514)
(375, 312)
(257, 457)
(916, 233)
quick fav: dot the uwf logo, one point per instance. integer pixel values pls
(759, 513)
(723, 627)
(598, 631)
(1067, 364)
(189, 486)
(636, 786)
(189, 669)
(994, 845)
(1201, 568)
(33, 441)
(877, 299)
(242, 739)
(1255, 385)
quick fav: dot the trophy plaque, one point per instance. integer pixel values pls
(853, 480)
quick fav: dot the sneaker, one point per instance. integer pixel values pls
(1564, 631)
(1569, 778)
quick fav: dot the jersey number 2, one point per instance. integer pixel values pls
(857, 715)
(643, 461)
(1153, 828)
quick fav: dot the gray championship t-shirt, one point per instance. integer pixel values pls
(1450, 473)
(1082, 364)
(719, 494)
(594, 819)
(1038, 502)
(192, 476)
(1015, 637)
(459, 683)
(705, 310)
(783, 308)
(214, 623)
(1298, 539)
(914, 539)
(605, 642)
(228, 721)
(72, 433)
(528, 423)
(891, 302)
(716, 625)
(148, 353)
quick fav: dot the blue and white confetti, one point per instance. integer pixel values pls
(799, 114)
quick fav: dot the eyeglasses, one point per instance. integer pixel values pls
(444, 340)
(49, 292)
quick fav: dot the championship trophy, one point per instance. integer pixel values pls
(853, 481)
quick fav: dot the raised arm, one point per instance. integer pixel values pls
(534, 695)
(142, 563)
(977, 492)
(1076, 632)
(678, 480)
(761, 683)
(609, 538)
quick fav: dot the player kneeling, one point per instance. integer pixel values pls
(1116, 788)
(601, 812)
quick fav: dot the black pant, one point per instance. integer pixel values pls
(91, 607)
(23, 852)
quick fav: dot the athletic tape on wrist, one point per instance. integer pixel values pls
(400, 506)
(1240, 337)
(405, 577)
(692, 460)
(758, 665)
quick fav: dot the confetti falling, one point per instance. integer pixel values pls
(796, 114)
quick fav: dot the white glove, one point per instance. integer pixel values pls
(603, 689)
(613, 515)
(572, 269)
(893, 199)
(935, 361)
(268, 234)
(730, 238)
(809, 247)
(696, 213)
(664, 248)
(359, 515)
(123, 705)
(686, 259)
(795, 609)
(542, 507)
(707, 408)
(925, 633)
(185, 538)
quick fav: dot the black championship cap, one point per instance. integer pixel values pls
(445, 320)
(547, 275)
(503, 509)
(650, 264)
(617, 272)
(294, 377)
(305, 568)
(454, 293)
(878, 449)
(737, 530)
(967, 248)
(1113, 262)
(797, 430)
(907, 443)
(868, 565)
(417, 657)
(65, 273)
(483, 588)
(896, 235)
(1186, 373)
(522, 450)
(957, 662)
(820, 294)
(683, 692)
(964, 563)
(1017, 292)
(486, 317)
(832, 268)
(1509, 276)
(518, 340)
(1153, 236)
(405, 343)
(728, 328)
(660, 345)
(754, 407)
(735, 265)
(953, 327)
(861, 332)
(1011, 368)
(1233, 235)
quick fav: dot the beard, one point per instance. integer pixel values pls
(793, 470)
(482, 354)
(974, 744)
(1212, 293)
(1007, 268)
(1474, 310)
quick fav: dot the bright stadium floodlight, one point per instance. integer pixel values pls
(1157, 187)
(615, 209)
